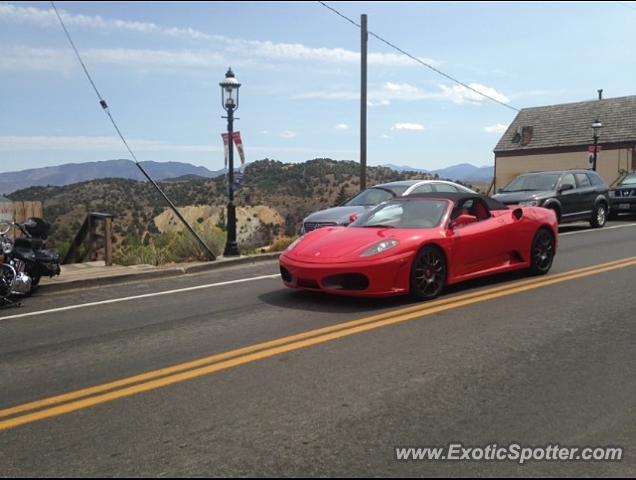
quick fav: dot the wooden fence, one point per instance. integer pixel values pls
(19, 212)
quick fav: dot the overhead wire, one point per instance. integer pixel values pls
(106, 109)
(419, 60)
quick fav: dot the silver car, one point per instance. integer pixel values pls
(374, 196)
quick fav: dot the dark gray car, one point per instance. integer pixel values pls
(374, 196)
(574, 195)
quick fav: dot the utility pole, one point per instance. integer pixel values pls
(364, 40)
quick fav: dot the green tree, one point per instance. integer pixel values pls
(342, 196)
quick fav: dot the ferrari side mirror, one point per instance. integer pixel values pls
(463, 220)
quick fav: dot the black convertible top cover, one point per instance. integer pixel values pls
(458, 198)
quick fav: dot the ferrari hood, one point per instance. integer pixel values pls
(346, 243)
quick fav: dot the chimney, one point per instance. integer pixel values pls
(600, 94)
(526, 135)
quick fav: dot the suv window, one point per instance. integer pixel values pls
(444, 187)
(533, 182)
(568, 179)
(582, 180)
(372, 196)
(426, 188)
(628, 180)
(596, 179)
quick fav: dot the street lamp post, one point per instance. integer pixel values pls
(230, 101)
(596, 127)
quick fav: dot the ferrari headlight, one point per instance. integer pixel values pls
(381, 247)
(530, 203)
(294, 243)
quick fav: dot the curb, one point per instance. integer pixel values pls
(159, 273)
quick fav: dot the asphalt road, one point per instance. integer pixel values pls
(510, 359)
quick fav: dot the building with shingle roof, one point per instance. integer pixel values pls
(557, 137)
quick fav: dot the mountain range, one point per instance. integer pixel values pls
(71, 173)
(463, 171)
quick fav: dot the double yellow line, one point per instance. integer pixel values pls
(88, 397)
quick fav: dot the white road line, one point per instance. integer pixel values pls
(211, 285)
(598, 229)
(136, 297)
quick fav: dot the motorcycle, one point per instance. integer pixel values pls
(26, 260)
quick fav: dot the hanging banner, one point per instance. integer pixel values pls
(226, 147)
(239, 146)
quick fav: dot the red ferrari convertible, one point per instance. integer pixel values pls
(421, 243)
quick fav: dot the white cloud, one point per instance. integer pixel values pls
(342, 126)
(287, 135)
(410, 93)
(412, 127)
(39, 59)
(460, 94)
(496, 128)
(97, 143)
(50, 59)
(385, 136)
(13, 143)
(146, 57)
(379, 103)
(235, 48)
(46, 18)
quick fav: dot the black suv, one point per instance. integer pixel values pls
(574, 195)
(623, 196)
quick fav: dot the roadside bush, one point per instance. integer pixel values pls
(282, 243)
(138, 254)
(182, 246)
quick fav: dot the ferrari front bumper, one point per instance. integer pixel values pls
(384, 277)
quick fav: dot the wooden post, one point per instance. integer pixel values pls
(108, 241)
(92, 238)
(89, 233)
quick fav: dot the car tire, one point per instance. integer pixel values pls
(428, 273)
(542, 253)
(599, 216)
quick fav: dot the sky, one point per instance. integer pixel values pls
(159, 65)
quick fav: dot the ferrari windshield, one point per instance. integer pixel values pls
(411, 213)
(533, 182)
(375, 196)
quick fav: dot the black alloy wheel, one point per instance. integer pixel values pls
(542, 252)
(428, 274)
(599, 217)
